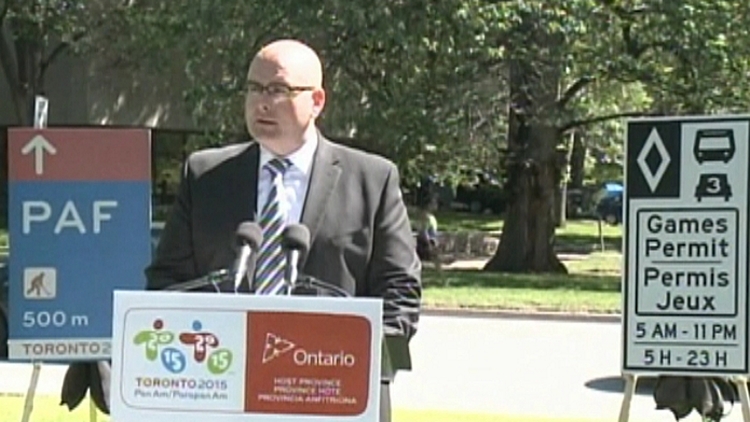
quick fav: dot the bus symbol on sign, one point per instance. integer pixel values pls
(714, 145)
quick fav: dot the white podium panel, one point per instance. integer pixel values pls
(223, 357)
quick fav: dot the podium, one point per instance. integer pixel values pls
(227, 357)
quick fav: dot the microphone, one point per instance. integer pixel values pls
(295, 241)
(249, 237)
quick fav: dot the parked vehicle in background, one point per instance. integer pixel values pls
(477, 191)
(575, 205)
(429, 190)
(482, 192)
(609, 204)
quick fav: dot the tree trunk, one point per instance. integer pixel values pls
(527, 242)
(561, 193)
(577, 161)
(24, 82)
(527, 239)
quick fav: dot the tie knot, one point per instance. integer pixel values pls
(278, 165)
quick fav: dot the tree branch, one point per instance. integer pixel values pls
(632, 47)
(59, 48)
(573, 90)
(9, 64)
(598, 119)
(4, 12)
(267, 32)
(64, 45)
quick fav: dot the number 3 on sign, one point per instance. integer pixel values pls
(713, 185)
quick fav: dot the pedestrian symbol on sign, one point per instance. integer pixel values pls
(40, 283)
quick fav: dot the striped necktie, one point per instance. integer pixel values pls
(269, 273)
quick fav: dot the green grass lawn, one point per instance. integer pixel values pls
(46, 409)
(3, 239)
(592, 285)
(454, 221)
(575, 233)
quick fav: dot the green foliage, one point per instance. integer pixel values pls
(693, 55)
(37, 21)
(659, 57)
(422, 82)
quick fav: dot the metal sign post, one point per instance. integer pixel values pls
(41, 111)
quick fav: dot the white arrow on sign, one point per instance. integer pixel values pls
(39, 145)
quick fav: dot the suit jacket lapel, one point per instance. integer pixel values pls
(245, 191)
(325, 174)
(248, 193)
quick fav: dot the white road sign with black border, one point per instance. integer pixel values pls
(685, 235)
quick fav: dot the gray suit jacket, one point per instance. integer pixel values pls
(360, 234)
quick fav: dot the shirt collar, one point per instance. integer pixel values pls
(301, 158)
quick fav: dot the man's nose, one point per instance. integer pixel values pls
(264, 106)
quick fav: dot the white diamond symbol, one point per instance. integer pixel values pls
(653, 140)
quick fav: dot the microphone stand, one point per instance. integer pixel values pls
(214, 278)
(307, 285)
(297, 284)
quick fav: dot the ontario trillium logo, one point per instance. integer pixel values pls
(276, 346)
(172, 350)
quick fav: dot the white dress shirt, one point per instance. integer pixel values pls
(296, 178)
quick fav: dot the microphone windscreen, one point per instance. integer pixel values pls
(296, 237)
(249, 232)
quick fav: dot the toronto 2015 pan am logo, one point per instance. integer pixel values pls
(175, 351)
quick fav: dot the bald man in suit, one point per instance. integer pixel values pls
(351, 201)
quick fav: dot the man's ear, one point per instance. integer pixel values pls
(319, 101)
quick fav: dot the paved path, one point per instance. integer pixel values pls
(500, 366)
(521, 367)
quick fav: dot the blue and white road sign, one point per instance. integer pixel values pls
(79, 220)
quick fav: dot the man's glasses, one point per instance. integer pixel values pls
(276, 90)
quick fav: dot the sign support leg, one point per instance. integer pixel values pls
(92, 409)
(29, 402)
(630, 381)
(741, 383)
